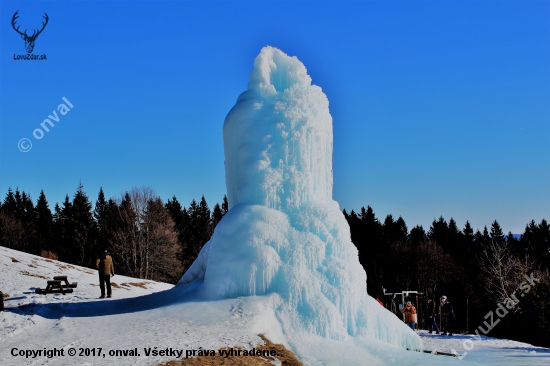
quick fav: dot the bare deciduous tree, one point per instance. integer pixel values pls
(500, 271)
(144, 241)
(13, 231)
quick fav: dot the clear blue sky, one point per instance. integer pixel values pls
(439, 107)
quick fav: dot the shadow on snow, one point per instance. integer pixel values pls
(57, 310)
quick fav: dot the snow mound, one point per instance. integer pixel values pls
(284, 234)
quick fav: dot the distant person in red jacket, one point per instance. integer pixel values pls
(104, 265)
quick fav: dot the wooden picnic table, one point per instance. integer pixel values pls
(56, 286)
(67, 284)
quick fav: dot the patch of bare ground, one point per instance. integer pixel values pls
(48, 254)
(122, 285)
(33, 275)
(5, 296)
(272, 354)
(32, 266)
(137, 284)
(14, 260)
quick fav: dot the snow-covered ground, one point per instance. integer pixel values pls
(486, 350)
(143, 315)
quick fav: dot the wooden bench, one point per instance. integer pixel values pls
(54, 287)
(67, 284)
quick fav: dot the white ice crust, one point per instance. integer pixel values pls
(284, 235)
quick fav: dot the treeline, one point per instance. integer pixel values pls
(475, 270)
(150, 239)
(147, 238)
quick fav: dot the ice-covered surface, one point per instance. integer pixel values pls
(142, 318)
(283, 234)
(486, 350)
(278, 138)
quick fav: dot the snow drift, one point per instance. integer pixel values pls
(284, 235)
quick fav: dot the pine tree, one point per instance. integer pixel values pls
(512, 243)
(543, 247)
(387, 228)
(400, 230)
(468, 232)
(497, 236)
(103, 218)
(19, 207)
(84, 235)
(63, 228)
(28, 219)
(366, 234)
(536, 242)
(417, 235)
(439, 232)
(470, 249)
(9, 205)
(197, 230)
(205, 217)
(225, 205)
(44, 223)
(486, 236)
(176, 211)
(217, 215)
(181, 220)
(355, 229)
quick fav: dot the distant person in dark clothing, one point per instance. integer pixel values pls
(447, 316)
(393, 306)
(104, 265)
(433, 312)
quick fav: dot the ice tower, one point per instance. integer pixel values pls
(284, 234)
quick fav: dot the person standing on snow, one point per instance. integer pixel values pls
(104, 265)
(447, 316)
(393, 306)
(433, 312)
(410, 314)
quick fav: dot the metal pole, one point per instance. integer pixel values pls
(403, 304)
(467, 325)
(417, 308)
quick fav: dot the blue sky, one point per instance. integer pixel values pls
(439, 107)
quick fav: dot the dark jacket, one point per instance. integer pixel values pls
(433, 309)
(104, 264)
(447, 310)
(393, 306)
